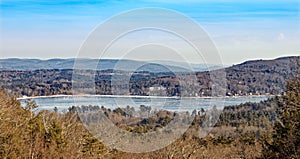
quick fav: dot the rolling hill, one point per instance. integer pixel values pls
(103, 64)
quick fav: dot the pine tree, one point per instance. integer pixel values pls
(285, 140)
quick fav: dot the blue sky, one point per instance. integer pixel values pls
(241, 29)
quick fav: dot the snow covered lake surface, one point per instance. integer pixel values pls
(158, 103)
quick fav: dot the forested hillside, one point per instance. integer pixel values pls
(261, 76)
(258, 77)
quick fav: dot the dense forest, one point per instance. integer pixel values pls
(269, 129)
(260, 77)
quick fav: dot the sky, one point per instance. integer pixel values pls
(241, 30)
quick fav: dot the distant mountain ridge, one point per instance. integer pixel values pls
(103, 64)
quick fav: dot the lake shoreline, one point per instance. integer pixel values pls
(132, 96)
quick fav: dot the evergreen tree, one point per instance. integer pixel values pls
(285, 140)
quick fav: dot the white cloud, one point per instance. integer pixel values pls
(281, 37)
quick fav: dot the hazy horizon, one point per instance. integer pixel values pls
(164, 60)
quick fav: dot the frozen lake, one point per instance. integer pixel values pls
(165, 103)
